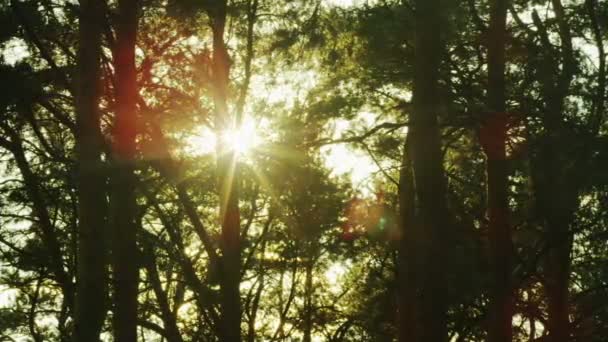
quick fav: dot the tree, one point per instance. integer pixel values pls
(493, 137)
(423, 294)
(125, 256)
(91, 293)
(314, 170)
(228, 180)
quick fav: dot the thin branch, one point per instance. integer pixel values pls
(46, 55)
(252, 8)
(377, 162)
(599, 102)
(389, 126)
(477, 20)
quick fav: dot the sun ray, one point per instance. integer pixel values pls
(242, 140)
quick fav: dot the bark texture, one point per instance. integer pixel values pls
(91, 293)
(425, 225)
(555, 190)
(123, 206)
(228, 181)
(493, 139)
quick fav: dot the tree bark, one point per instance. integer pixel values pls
(228, 180)
(123, 205)
(423, 288)
(92, 277)
(561, 214)
(308, 299)
(557, 279)
(406, 269)
(556, 192)
(493, 139)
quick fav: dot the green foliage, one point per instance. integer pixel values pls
(314, 76)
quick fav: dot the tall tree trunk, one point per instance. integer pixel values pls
(425, 238)
(560, 216)
(228, 180)
(493, 139)
(308, 299)
(556, 192)
(90, 308)
(255, 305)
(557, 278)
(406, 273)
(123, 206)
(557, 211)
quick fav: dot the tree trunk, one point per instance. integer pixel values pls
(406, 269)
(228, 180)
(556, 192)
(123, 205)
(493, 139)
(556, 201)
(560, 215)
(557, 278)
(90, 307)
(557, 212)
(425, 276)
(308, 299)
(255, 305)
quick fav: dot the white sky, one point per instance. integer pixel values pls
(344, 3)
(343, 159)
(14, 50)
(340, 159)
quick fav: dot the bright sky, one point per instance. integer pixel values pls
(13, 51)
(243, 140)
(340, 159)
(343, 159)
(284, 90)
(344, 3)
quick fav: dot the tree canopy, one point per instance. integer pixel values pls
(303, 170)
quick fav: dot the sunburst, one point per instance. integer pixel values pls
(243, 140)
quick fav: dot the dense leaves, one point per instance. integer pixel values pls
(315, 115)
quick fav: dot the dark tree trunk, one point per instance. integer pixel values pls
(123, 205)
(308, 300)
(406, 273)
(556, 203)
(493, 139)
(556, 192)
(557, 278)
(91, 275)
(559, 216)
(228, 181)
(255, 305)
(425, 237)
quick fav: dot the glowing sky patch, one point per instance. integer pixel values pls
(14, 50)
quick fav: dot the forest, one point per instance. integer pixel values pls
(303, 170)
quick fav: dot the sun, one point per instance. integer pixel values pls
(242, 140)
